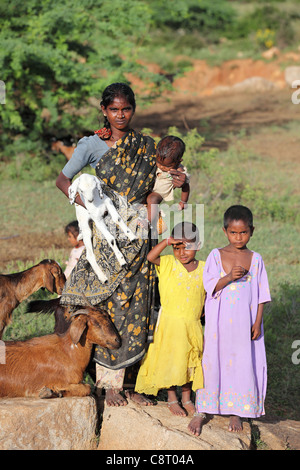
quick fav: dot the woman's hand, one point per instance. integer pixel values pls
(63, 183)
(178, 178)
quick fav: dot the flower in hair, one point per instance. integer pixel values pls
(104, 133)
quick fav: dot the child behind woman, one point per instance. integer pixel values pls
(174, 358)
(234, 358)
(72, 231)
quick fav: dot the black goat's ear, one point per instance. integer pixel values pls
(77, 328)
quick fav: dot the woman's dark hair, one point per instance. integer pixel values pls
(115, 90)
(170, 147)
(72, 227)
(238, 213)
(186, 230)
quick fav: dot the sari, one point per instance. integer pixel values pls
(128, 171)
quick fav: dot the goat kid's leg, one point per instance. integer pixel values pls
(117, 219)
(101, 226)
(87, 240)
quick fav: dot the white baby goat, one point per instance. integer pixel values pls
(97, 205)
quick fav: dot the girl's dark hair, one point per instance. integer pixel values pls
(72, 227)
(186, 230)
(170, 147)
(238, 213)
(115, 90)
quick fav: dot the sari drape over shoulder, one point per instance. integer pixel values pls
(128, 171)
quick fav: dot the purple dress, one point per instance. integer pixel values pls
(234, 366)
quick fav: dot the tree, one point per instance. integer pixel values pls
(56, 55)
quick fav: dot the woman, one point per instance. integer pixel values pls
(125, 160)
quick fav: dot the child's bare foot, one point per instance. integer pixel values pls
(235, 424)
(114, 398)
(176, 409)
(196, 424)
(189, 407)
(138, 398)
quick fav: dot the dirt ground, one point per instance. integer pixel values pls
(206, 98)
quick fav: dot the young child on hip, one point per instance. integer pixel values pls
(169, 155)
(174, 357)
(234, 357)
(72, 232)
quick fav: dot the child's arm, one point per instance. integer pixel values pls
(236, 273)
(256, 327)
(154, 254)
(185, 193)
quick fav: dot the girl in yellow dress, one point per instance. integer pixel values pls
(174, 357)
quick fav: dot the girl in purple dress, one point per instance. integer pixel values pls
(234, 357)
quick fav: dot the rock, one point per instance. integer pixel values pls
(279, 435)
(291, 74)
(271, 53)
(249, 85)
(154, 427)
(55, 424)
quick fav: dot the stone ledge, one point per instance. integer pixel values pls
(55, 424)
(155, 428)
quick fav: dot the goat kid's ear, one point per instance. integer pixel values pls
(77, 328)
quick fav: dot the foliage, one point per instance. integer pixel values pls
(206, 16)
(265, 37)
(54, 56)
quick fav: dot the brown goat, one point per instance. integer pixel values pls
(67, 151)
(16, 287)
(53, 365)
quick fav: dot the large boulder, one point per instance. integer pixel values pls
(55, 424)
(154, 427)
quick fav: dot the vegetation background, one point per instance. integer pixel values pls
(55, 60)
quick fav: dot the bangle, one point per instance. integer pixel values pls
(168, 244)
(183, 202)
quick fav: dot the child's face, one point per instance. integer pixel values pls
(72, 239)
(166, 164)
(186, 251)
(238, 233)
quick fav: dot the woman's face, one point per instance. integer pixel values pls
(119, 113)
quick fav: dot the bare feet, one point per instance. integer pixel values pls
(235, 424)
(138, 398)
(189, 407)
(196, 424)
(114, 398)
(176, 409)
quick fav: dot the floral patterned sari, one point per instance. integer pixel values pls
(128, 171)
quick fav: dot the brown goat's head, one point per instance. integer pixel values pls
(98, 325)
(53, 277)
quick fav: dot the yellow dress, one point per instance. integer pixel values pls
(174, 357)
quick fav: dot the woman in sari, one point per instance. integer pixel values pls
(125, 161)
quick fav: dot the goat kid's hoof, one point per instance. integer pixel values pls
(46, 392)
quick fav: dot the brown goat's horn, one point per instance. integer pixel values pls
(82, 311)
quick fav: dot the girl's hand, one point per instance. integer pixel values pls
(237, 272)
(174, 241)
(255, 331)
